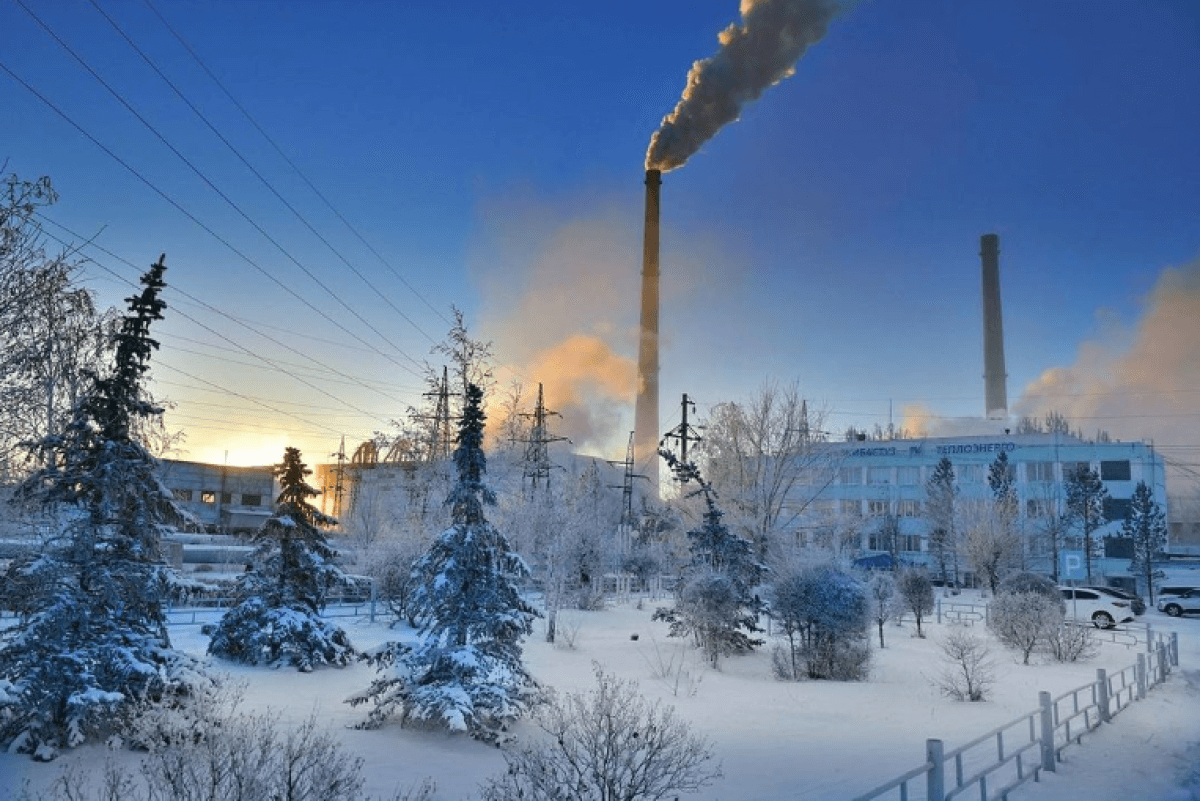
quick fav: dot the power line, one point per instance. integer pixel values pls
(257, 174)
(292, 164)
(200, 174)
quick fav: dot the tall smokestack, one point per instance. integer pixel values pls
(994, 377)
(645, 436)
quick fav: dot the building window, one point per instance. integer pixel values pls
(1116, 509)
(850, 475)
(1074, 468)
(182, 494)
(851, 508)
(877, 508)
(226, 498)
(208, 496)
(908, 507)
(969, 473)
(910, 542)
(908, 476)
(879, 475)
(251, 500)
(1039, 471)
(1115, 471)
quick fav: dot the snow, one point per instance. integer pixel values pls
(775, 740)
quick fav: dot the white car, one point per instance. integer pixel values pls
(1089, 606)
(1176, 605)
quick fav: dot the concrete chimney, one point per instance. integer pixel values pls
(646, 434)
(995, 379)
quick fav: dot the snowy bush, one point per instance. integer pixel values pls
(916, 588)
(391, 567)
(1029, 582)
(969, 671)
(823, 612)
(1071, 643)
(710, 610)
(608, 743)
(234, 756)
(1023, 620)
(277, 618)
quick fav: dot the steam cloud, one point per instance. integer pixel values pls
(1136, 382)
(754, 56)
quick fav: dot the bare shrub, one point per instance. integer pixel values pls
(1023, 620)
(1071, 643)
(229, 756)
(916, 590)
(608, 743)
(969, 671)
(567, 630)
(672, 670)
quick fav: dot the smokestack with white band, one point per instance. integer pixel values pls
(995, 380)
(645, 437)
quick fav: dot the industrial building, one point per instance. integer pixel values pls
(226, 500)
(865, 482)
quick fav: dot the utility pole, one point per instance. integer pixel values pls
(440, 438)
(339, 486)
(537, 454)
(684, 432)
(626, 485)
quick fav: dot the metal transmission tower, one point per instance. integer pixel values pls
(626, 486)
(537, 452)
(441, 439)
(339, 485)
(683, 432)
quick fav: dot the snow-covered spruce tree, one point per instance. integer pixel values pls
(280, 597)
(467, 674)
(716, 603)
(1146, 528)
(92, 643)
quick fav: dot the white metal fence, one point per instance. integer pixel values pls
(994, 764)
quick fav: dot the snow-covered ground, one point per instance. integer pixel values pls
(775, 740)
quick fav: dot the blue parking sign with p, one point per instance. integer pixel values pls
(1071, 565)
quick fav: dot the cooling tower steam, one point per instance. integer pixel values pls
(754, 56)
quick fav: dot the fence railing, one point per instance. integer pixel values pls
(994, 764)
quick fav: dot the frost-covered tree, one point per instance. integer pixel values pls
(881, 592)
(716, 603)
(1002, 479)
(1146, 528)
(941, 493)
(990, 543)
(1085, 503)
(92, 645)
(824, 613)
(609, 744)
(280, 597)
(1023, 620)
(916, 589)
(467, 674)
(767, 459)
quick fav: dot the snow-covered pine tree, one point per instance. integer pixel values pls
(467, 673)
(716, 603)
(91, 645)
(280, 597)
(1146, 527)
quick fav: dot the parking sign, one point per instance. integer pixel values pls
(1071, 565)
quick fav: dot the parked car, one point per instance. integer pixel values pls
(1176, 605)
(1177, 589)
(1088, 606)
(1135, 601)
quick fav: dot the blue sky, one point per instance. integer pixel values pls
(493, 156)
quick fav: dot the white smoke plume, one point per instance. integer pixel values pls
(754, 56)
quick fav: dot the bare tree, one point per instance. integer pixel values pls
(991, 543)
(766, 458)
(969, 672)
(1023, 620)
(917, 591)
(608, 744)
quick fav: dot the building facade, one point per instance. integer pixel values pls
(868, 484)
(229, 500)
